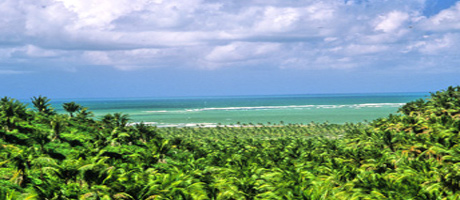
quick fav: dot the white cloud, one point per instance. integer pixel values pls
(145, 58)
(355, 50)
(240, 51)
(33, 51)
(445, 20)
(391, 22)
(98, 57)
(447, 44)
(313, 34)
(278, 20)
(321, 62)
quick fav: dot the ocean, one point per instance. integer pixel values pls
(269, 109)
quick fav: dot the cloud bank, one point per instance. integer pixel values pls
(213, 34)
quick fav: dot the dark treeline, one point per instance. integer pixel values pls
(413, 154)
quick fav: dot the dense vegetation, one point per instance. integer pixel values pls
(414, 154)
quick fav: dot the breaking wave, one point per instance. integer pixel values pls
(248, 108)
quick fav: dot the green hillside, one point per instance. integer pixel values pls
(413, 154)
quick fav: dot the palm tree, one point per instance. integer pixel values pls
(92, 170)
(58, 124)
(11, 111)
(42, 105)
(84, 115)
(121, 120)
(108, 121)
(145, 132)
(22, 162)
(8, 194)
(71, 107)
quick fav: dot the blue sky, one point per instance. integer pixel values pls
(143, 48)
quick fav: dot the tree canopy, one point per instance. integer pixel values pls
(412, 154)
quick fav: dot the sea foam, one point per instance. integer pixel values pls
(296, 107)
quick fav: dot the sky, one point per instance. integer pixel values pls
(159, 48)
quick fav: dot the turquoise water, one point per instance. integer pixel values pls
(189, 111)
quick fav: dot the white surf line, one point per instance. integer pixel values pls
(363, 105)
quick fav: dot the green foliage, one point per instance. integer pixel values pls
(413, 154)
(12, 112)
(42, 105)
(71, 107)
